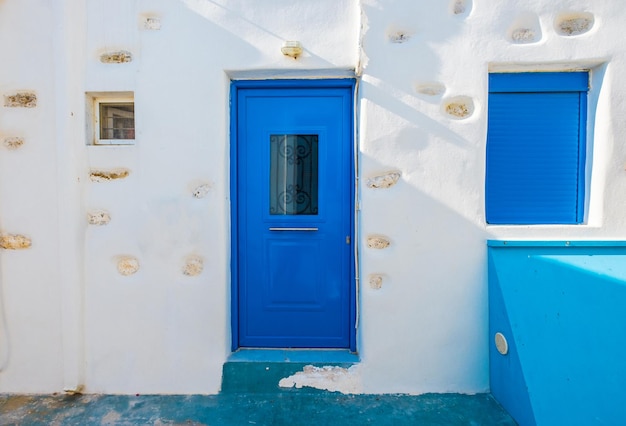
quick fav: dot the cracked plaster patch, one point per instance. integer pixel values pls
(330, 378)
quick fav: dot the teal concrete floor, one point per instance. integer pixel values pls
(295, 407)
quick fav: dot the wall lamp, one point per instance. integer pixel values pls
(292, 49)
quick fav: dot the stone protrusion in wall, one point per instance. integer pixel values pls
(399, 36)
(150, 23)
(430, 89)
(526, 28)
(21, 100)
(98, 217)
(107, 175)
(119, 57)
(383, 181)
(13, 143)
(572, 24)
(127, 265)
(14, 242)
(378, 242)
(201, 190)
(523, 35)
(461, 7)
(460, 107)
(376, 281)
(193, 266)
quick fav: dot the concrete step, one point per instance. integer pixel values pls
(260, 371)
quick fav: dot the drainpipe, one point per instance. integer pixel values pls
(357, 204)
(357, 172)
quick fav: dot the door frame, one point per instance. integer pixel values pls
(235, 86)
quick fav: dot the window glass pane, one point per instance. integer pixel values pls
(293, 174)
(117, 120)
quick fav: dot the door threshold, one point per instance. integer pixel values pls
(333, 356)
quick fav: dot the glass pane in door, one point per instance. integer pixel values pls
(293, 174)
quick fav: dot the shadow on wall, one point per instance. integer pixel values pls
(226, 34)
(430, 285)
(255, 38)
(402, 70)
(432, 293)
(405, 106)
(399, 43)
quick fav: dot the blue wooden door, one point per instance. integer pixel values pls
(293, 258)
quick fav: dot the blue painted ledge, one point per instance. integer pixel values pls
(571, 243)
(560, 307)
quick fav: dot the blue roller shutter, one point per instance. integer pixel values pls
(535, 148)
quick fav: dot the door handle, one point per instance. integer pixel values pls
(293, 229)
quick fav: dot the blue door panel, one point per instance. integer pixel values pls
(294, 215)
(293, 279)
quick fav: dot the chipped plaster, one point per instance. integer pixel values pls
(330, 378)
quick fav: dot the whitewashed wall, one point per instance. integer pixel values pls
(430, 314)
(69, 318)
(30, 316)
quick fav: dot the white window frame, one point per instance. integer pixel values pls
(94, 100)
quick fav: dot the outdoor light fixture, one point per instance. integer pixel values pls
(501, 344)
(292, 48)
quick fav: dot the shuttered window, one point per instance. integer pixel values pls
(536, 148)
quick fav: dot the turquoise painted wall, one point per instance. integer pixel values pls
(562, 309)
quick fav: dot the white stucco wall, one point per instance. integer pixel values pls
(69, 318)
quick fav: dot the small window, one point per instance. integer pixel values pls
(535, 165)
(111, 118)
(117, 121)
